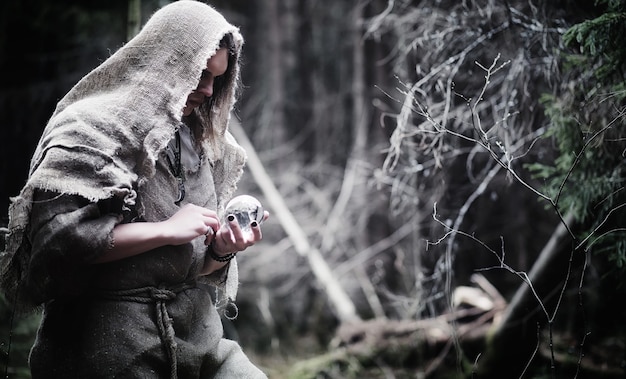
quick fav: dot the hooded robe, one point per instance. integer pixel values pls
(102, 160)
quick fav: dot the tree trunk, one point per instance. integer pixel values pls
(339, 300)
(522, 318)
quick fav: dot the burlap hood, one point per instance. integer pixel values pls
(105, 135)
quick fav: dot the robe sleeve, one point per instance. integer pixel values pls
(66, 233)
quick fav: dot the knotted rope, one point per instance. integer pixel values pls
(160, 296)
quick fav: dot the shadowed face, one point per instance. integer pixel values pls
(215, 66)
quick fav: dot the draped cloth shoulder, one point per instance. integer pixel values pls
(105, 135)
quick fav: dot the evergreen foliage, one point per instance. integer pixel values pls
(601, 39)
(17, 334)
(587, 124)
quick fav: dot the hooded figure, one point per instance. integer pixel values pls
(136, 143)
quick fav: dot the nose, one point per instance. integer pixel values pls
(205, 87)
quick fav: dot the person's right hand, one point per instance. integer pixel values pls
(189, 222)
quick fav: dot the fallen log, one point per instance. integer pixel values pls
(419, 345)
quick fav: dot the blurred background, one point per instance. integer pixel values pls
(445, 178)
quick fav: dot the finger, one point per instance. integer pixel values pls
(225, 236)
(236, 232)
(224, 241)
(256, 231)
(213, 224)
(210, 235)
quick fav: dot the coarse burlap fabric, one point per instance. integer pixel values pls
(105, 135)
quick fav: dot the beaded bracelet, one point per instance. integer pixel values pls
(220, 258)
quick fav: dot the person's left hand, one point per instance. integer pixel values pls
(230, 238)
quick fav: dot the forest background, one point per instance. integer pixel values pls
(446, 178)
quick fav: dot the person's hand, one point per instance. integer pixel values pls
(231, 238)
(189, 222)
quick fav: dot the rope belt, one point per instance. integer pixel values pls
(160, 296)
